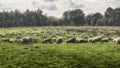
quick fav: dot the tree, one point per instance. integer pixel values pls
(75, 17)
(94, 19)
(70, 18)
(109, 12)
(113, 16)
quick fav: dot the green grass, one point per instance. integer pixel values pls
(37, 55)
(64, 55)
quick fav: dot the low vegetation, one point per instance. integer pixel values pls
(47, 47)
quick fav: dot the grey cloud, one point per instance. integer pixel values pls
(7, 8)
(35, 4)
(3, 7)
(77, 6)
(59, 6)
(113, 1)
(50, 7)
(72, 4)
(51, 0)
(45, 7)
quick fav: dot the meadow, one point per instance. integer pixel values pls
(77, 55)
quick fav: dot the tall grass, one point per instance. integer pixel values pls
(37, 55)
(64, 55)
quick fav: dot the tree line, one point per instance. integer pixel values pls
(75, 17)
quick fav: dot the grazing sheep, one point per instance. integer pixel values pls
(5, 40)
(105, 40)
(82, 40)
(59, 40)
(84, 36)
(70, 37)
(48, 40)
(1, 35)
(38, 34)
(71, 40)
(95, 39)
(11, 41)
(18, 37)
(53, 36)
(90, 39)
(54, 39)
(57, 33)
(116, 40)
(111, 38)
(26, 40)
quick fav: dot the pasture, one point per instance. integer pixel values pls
(64, 55)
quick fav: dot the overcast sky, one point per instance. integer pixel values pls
(57, 7)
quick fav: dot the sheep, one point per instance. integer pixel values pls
(105, 40)
(90, 39)
(111, 38)
(116, 40)
(26, 40)
(53, 36)
(95, 39)
(54, 39)
(47, 40)
(18, 37)
(70, 37)
(59, 40)
(85, 36)
(11, 41)
(82, 40)
(1, 35)
(57, 33)
(5, 40)
(71, 40)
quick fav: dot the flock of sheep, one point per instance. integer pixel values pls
(29, 40)
(84, 40)
(61, 35)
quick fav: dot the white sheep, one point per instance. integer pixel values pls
(82, 40)
(60, 40)
(105, 40)
(11, 41)
(4, 39)
(26, 40)
(116, 40)
(96, 39)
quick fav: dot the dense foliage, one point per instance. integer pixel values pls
(75, 17)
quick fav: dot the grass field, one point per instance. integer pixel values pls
(38, 55)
